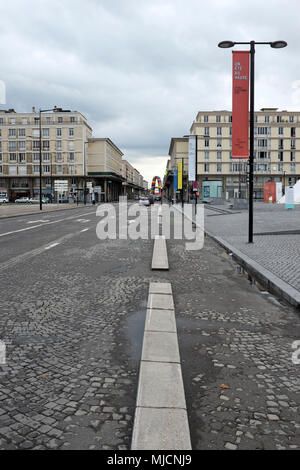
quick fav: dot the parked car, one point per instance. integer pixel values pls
(36, 200)
(23, 200)
(3, 200)
(151, 199)
(144, 201)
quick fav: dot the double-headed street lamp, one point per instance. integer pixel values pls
(274, 45)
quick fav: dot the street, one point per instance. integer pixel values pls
(72, 316)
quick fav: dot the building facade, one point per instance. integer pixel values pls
(69, 152)
(276, 153)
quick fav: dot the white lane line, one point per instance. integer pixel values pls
(83, 220)
(85, 230)
(41, 225)
(51, 246)
(36, 221)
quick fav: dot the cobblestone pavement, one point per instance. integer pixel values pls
(73, 320)
(242, 388)
(280, 254)
(73, 328)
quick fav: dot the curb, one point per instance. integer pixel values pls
(266, 278)
(161, 421)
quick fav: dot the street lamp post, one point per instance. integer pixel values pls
(274, 45)
(40, 122)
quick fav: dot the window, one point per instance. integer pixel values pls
(280, 166)
(219, 155)
(12, 170)
(46, 144)
(12, 132)
(71, 132)
(21, 132)
(59, 157)
(36, 157)
(46, 168)
(293, 144)
(71, 169)
(36, 144)
(205, 118)
(36, 169)
(12, 145)
(59, 169)
(230, 119)
(219, 168)
(45, 132)
(46, 157)
(36, 132)
(293, 167)
(1, 170)
(36, 120)
(267, 119)
(255, 119)
(59, 144)
(219, 142)
(60, 119)
(22, 157)
(0, 157)
(48, 181)
(23, 171)
(24, 121)
(206, 131)
(230, 130)
(206, 143)
(280, 156)
(71, 157)
(71, 145)
(279, 119)
(280, 144)
(72, 119)
(206, 155)
(219, 130)
(22, 145)
(206, 167)
(291, 118)
(218, 118)
(280, 130)
(12, 120)
(48, 120)
(58, 132)
(292, 156)
(262, 143)
(293, 131)
(1, 120)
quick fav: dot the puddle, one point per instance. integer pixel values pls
(134, 331)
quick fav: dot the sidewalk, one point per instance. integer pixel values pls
(16, 210)
(274, 257)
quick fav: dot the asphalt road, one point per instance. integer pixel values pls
(72, 316)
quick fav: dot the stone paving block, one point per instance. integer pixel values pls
(156, 429)
(160, 320)
(161, 302)
(160, 288)
(160, 255)
(160, 347)
(160, 386)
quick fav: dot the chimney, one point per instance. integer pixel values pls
(33, 109)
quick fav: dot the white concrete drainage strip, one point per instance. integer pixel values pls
(160, 255)
(161, 421)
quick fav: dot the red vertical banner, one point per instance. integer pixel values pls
(240, 104)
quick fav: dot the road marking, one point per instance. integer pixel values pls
(84, 230)
(51, 246)
(41, 225)
(83, 220)
(36, 221)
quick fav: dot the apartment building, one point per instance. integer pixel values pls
(276, 153)
(69, 152)
(133, 180)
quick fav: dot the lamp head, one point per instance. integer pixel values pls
(278, 44)
(226, 44)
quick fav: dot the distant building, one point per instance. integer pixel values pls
(276, 153)
(69, 152)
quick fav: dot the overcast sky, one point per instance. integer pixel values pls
(139, 70)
